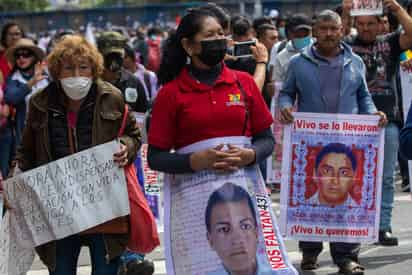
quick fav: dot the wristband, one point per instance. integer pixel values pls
(262, 62)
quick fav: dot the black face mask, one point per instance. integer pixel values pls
(113, 62)
(213, 51)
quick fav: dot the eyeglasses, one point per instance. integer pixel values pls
(24, 54)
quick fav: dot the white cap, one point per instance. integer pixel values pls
(274, 13)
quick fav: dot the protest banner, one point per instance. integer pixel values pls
(140, 121)
(149, 180)
(221, 221)
(1, 205)
(152, 186)
(16, 250)
(406, 84)
(331, 178)
(367, 7)
(274, 162)
(69, 195)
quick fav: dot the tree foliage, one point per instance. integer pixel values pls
(23, 5)
(135, 2)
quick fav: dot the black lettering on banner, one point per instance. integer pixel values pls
(262, 203)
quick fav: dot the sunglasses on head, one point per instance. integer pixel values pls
(23, 53)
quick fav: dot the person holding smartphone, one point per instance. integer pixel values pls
(250, 55)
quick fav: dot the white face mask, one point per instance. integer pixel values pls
(76, 88)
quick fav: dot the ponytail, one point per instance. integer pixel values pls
(173, 60)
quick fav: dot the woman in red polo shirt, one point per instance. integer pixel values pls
(203, 99)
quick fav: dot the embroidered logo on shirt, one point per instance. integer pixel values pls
(235, 100)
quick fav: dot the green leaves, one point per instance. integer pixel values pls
(23, 5)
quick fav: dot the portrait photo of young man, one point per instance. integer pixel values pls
(334, 175)
(232, 232)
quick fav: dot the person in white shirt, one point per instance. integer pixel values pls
(299, 31)
(146, 77)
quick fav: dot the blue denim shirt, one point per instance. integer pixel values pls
(303, 83)
(17, 94)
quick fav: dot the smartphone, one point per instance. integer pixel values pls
(242, 49)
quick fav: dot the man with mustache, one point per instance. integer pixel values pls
(328, 77)
(381, 55)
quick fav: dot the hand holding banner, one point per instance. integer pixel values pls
(331, 174)
(60, 199)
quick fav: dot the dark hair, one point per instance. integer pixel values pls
(393, 22)
(408, 6)
(296, 20)
(263, 28)
(154, 31)
(228, 192)
(5, 30)
(282, 19)
(57, 37)
(240, 26)
(338, 9)
(219, 12)
(264, 20)
(337, 148)
(174, 56)
(129, 52)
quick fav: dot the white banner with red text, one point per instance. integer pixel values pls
(331, 178)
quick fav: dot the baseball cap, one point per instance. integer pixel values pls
(298, 21)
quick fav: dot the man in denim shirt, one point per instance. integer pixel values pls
(328, 77)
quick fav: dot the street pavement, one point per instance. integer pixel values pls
(378, 260)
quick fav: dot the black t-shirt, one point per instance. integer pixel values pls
(133, 91)
(381, 59)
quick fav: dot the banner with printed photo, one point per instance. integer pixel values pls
(406, 84)
(150, 180)
(221, 223)
(274, 162)
(331, 178)
(367, 7)
(140, 121)
(152, 186)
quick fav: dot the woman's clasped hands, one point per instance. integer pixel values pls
(221, 158)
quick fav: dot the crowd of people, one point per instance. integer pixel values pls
(63, 94)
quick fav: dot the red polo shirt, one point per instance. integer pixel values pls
(187, 111)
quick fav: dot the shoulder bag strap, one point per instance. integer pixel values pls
(125, 114)
(244, 95)
(146, 78)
